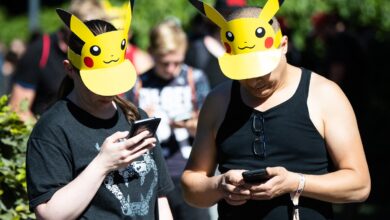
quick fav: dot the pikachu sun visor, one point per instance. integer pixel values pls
(101, 60)
(252, 44)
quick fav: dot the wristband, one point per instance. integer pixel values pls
(295, 196)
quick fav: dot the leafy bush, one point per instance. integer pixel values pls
(13, 138)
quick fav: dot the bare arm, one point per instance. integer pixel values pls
(20, 94)
(351, 181)
(164, 211)
(72, 199)
(200, 187)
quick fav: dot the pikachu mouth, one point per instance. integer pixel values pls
(107, 62)
(247, 47)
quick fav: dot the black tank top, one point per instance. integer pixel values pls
(285, 137)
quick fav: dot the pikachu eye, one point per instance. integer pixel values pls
(95, 50)
(229, 36)
(260, 32)
(123, 44)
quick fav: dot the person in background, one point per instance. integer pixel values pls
(174, 92)
(11, 58)
(205, 46)
(81, 164)
(294, 123)
(39, 72)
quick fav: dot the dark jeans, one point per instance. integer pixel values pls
(180, 209)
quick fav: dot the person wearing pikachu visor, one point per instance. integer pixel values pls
(294, 123)
(81, 163)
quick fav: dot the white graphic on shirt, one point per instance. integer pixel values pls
(175, 101)
(138, 169)
(171, 103)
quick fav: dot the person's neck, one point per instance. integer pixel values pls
(281, 76)
(99, 111)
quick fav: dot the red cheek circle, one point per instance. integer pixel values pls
(269, 42)
(88, 62)
(228, 48)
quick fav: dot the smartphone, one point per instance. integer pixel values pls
(149, 124)
(255, 176)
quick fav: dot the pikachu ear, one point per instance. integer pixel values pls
(106, 4)
(132, 4)
(128, 17)
(270, 9)
(210, 12)
(75, 25)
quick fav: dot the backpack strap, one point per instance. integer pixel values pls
(45, 51)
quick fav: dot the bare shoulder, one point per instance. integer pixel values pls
(324, 90)
(216, 103)
(327, 96)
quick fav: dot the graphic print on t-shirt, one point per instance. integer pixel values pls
(137, 169)
(175, 101)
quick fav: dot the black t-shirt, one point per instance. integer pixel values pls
(45, 79)
(66, 139)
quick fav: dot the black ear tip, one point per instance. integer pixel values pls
(198, 5)
(60, 12)
(64, 15)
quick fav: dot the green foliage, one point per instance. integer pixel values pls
(147, 13)
(374, 13)
(12, 27)
(13, 138)
(359, 13)
(17, 27)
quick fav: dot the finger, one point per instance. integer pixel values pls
(177, 124)
(255, 187)
(116, 136)
(273, 171)
(134, 156)
(137, 138)
(261, 196)
(235, 178)
(241, 190)
(127, 153)
(237, 197)
(142, 144)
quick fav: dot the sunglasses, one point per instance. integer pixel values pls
(258, 144)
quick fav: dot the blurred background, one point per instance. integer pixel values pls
(347, 41)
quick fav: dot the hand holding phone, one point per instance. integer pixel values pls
(255, 176)
(149, 124)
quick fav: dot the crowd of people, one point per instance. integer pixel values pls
(225, 107)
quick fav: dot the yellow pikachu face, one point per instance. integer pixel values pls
(101, 60)
(252, 44)
(96, 53)
(258, 36)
